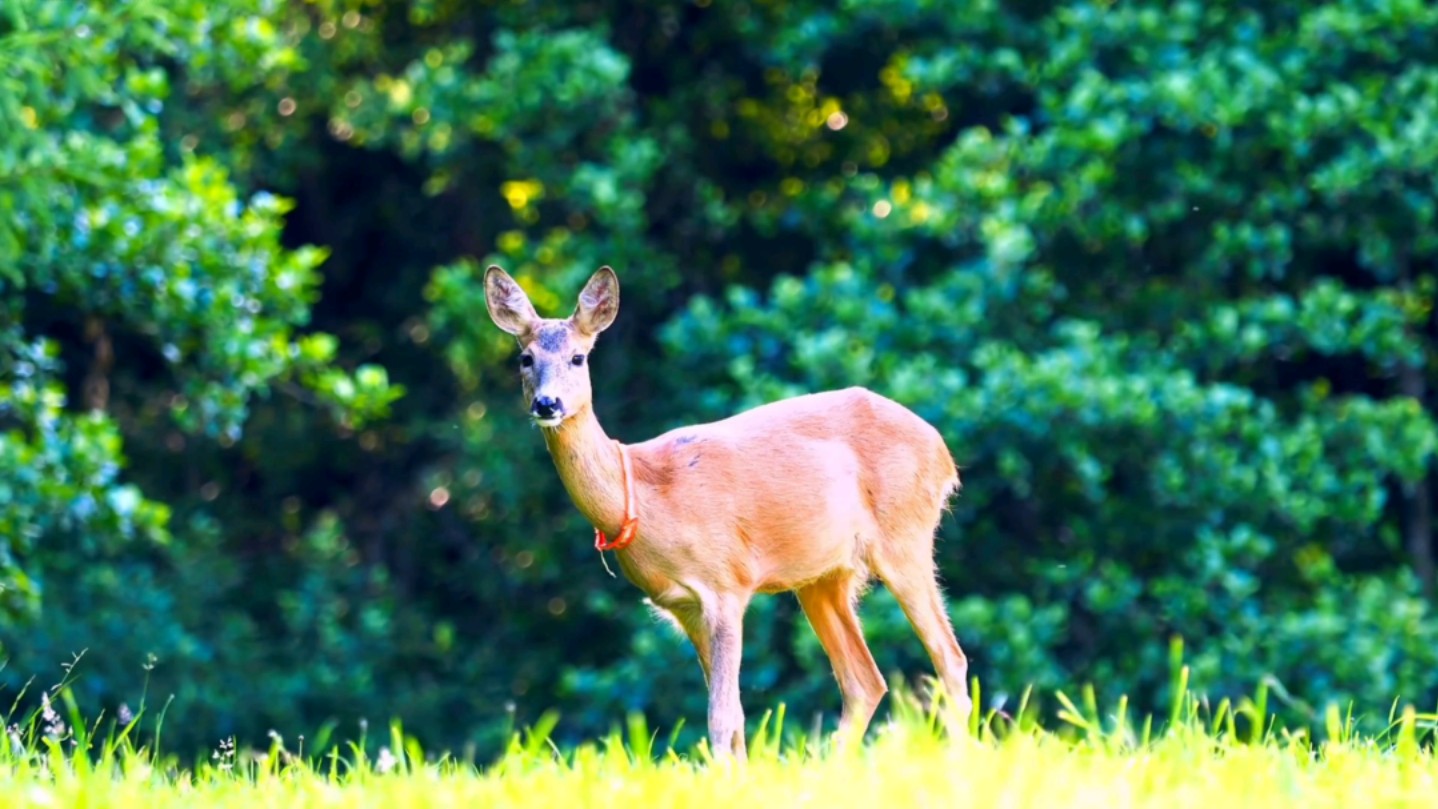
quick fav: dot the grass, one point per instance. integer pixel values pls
(1227, 756)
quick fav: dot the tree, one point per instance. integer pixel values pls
(141, 290)
(1170, 318)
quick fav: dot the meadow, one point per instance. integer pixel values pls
(1199, 755)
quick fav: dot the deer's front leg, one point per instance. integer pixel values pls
(691, 620)
(725, 622)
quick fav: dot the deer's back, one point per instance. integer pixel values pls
(875, 428)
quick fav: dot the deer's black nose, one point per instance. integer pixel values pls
(546, 407)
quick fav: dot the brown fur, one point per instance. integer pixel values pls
(815, 494)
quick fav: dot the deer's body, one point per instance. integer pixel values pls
(815, 494)
(773, 498)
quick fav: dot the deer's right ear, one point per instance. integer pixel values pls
(509, 307)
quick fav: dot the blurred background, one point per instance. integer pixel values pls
(1163, 274)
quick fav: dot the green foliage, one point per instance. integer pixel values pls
(1161, 273)
(1116, 262)
(60, 473)
(101, 230)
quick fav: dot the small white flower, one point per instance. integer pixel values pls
(54, 727)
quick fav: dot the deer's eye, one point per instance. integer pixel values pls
(577, 360)
(526, 360)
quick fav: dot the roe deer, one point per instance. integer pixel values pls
(812, 494)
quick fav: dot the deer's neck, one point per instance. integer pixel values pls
(589, 465)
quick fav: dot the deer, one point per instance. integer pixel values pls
(816, 495)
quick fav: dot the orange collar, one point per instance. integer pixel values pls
(631, 521)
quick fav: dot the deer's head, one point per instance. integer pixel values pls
(553, 353)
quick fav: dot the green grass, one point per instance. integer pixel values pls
(1223, 757)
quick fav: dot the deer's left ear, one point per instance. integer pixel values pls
(598, 303)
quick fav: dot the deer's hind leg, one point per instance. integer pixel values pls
(829, 605)
(906, 567)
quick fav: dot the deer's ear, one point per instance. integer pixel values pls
(509, 307)
(598, 303)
